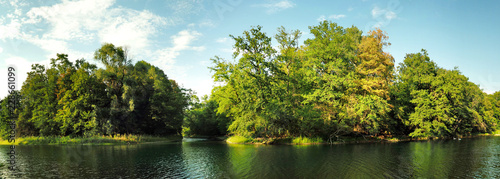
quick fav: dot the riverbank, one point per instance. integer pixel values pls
(94, 140)
(341, 140)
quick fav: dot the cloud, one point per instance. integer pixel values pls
(55, 28)
(11, 30)
(1, 49)
(207, 23)
(330, 17)
(383, 16)
(222, 40)
(274, 7)
(321, 18)
(134, 29)
(165, 58)
(383, 13)
(336, 16)
(390, 15)
(21, 66)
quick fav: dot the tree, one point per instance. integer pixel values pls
(117, 65)
(414, 74)
(8, 112)
(202, 119)
(248, 84)
(374, 69)
(155, 104)
(330, 70)
(79, 103)
(34, 97)
(432, 101)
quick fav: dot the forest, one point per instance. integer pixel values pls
(338, 83)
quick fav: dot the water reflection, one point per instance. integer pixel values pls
(467, 158)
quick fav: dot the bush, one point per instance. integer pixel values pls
(238, 140)
(305, 140)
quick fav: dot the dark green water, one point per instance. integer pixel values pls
(467, 158)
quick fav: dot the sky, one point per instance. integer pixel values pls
(181, 36)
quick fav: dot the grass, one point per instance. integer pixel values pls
(289, 140)
(94, 140)
(341, 140)
(238, 140)
(306, 140)
(497, 132)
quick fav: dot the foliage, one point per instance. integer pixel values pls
(236, 139)
(341, 82)
(7, 114)
(78, 99)
(432, 101)
(92, 140)
(306, 140)
(337, 83)
(202, 119)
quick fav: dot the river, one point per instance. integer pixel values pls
(466, 158)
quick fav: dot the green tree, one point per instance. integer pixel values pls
(431, 101)
(117, 65)
(155, 104)
(77, 113)
(33, 99)
(330, 70)
(7, 114)
(202, 119)
(247, 90)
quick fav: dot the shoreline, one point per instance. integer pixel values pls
(354, 140)
(135, 139)
(94, 140)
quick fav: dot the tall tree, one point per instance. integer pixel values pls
(374, 68)
(330, 70)
(117, 65)
(248, 82)
(9, 111)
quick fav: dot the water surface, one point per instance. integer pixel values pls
(467, 158)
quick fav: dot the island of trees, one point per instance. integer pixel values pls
(338, 83)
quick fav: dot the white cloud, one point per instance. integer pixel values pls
(207, 23)
(72, 19)
(376, 11)
(336, 16)
(222, 40)
(21, 66)
(333, 16)
(134, 31)
(10, 30)
(321, 18)
(274, 7)
(390, 15)
(350, 9)
(89, 21)
(1, 49)
(165, 58)
(382, 16)
(384, 13)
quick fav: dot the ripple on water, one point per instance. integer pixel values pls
(468, 158)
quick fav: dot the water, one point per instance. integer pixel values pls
(467, 158)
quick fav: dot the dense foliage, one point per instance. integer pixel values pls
(80, 99)
(202, 119)
(339, 82)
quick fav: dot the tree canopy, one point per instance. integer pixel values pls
(339, 81)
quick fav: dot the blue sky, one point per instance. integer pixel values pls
(180, 36)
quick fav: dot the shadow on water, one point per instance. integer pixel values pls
(194, 158)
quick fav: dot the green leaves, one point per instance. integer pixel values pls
(340, 82)
(438, 102)
(79, 99)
